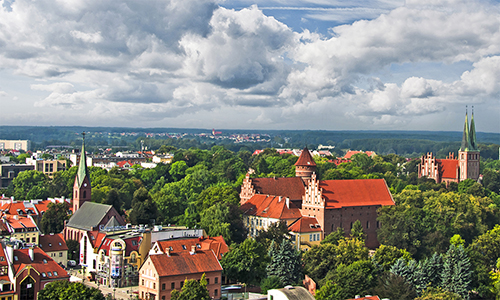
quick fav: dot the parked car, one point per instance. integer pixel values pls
(71, 263)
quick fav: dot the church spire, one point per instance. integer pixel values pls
(82, 167)
(465, 137)
(472, 132)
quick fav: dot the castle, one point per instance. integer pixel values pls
(454, 169)
(323, 205)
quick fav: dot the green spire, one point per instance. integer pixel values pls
(472, 132)
(82, 167)
(465, 137)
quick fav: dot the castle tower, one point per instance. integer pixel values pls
(305, 165)
(81, 187)
(468, 155)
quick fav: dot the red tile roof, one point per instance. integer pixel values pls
(180, 263)
(448, 168)
(270, 207)
(217, 244)
(18, 222)
(42, 263)
(355, 192)
(291, 187)
(350, 153)
(305, 159)
(52, 242)
(305, 224)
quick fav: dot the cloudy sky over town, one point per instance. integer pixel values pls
(294, 64)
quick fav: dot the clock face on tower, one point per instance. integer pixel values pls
(85, 185)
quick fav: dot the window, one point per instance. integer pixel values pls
(184, 247)
(182, 284)
(27, 240)
(44, 275)
(208, 281)
(49, 273)
(163, 286)
(216, 279)
(154, 285)
(172, 285)
(142, 282)
(162, 297)
(215, 292)
(60, 254)
(55, 273)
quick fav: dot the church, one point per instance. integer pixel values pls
(88, 215)
(454, 169)
(325, 205)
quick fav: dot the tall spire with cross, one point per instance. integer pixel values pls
(81, 188)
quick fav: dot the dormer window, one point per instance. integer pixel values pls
(44, 261)
(50, 244)
(15, 257)
(44, 275)
(49, 273)
(184, 247)
(55, 273)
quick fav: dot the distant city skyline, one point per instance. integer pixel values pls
(299, 64)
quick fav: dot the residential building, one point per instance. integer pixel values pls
(47, 167)
(216, 244)
(20, 228)
(25, 271)
(452, 169)
(350, 153)
(260, 211)
(305, 233)
(34, 208)
(333, 203)
(15, 145)
(289, 293)
(162, 273)
(54, 246)
(10, 171)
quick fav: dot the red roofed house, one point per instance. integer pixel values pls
(333, 203)
(162, 273)
(454, 169)
(306, 232)
(55, 247)
(24, 272)
(216, 244)
(21, 228)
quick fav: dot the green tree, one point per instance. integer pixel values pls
(438, 294)
(178, 170)
(334, 237)
(392, 286)
(276, 232)
(192, 289)
(285, 263)
(73, 249)
(246, 262)
(30, 185)
(113, 199)
(269, 283)
(63, 289)
(53, 219)
(456, 275)
(143, 213)
(354, 279)
(386, 256)
(357, 230)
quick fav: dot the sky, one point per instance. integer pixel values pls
(294, 64)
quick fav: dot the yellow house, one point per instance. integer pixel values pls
(306, 232)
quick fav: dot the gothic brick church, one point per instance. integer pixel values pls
(330, 203)
(454, 169)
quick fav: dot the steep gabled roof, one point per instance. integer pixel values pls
(448, 168)
(305, 224)
(216, 244)
(465, 136)
(291, 187)
(183, 263)
(89, 215)
(52, 242)
(42, 263)
(355, 192)
(269, 206)
(305, 159)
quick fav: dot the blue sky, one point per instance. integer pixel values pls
(317, 64)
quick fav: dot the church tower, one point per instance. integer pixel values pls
(305, 165)
(468, 155)
(81, 187)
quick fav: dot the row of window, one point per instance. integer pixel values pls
(49, 274)
(314, 237)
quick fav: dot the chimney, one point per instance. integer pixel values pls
(31, 253)
(279, 199)
(193, 250)
(287, 202)
(167, 251)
